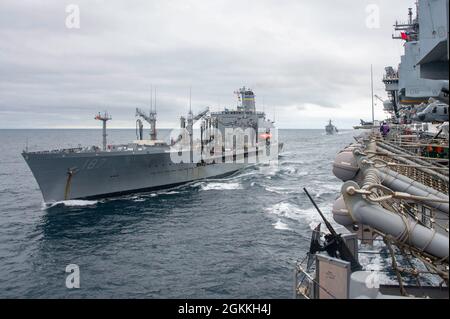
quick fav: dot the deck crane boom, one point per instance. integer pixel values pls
(190, 127)
(151, 119)
(379, 98)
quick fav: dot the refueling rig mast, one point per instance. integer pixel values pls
(151, 118)
(104, 118)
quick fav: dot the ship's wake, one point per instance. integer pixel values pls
(70, 203)
(280, 225)
(207, 186)
(291, 213)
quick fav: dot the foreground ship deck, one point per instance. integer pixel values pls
(395, 195)
(396, 183)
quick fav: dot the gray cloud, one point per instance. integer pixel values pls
(302, 58)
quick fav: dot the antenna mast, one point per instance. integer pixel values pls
(190, 100)
(154, 104)
(371, 85)
(190, 128)
(104, 118)
(151, 98)
(151, 117)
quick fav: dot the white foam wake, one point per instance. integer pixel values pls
(295, 213)
(280, 190)
(170, 193)
(280, 225)
(73, 203)
(269, 170)
(220, 186)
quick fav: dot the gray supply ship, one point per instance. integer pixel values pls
(330, 129)
(145, 164)
(394, 200)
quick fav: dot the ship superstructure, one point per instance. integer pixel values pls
(423, 69)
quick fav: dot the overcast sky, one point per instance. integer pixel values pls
(307, 61)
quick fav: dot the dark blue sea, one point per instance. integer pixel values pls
(236, 237)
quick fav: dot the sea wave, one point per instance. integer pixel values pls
(72, 203)
(290, 211)
(280, 190)
(280, 225)
(170, 193)
(220, 186)
(292, 162)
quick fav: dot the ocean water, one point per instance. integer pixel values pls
(236, 237)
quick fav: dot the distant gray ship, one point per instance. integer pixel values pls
(83, 173)
(330, 129)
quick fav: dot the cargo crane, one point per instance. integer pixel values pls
(190, 128)
(139, 130)
(104, 118)
(387, 105)
(379, 98)
(151, 119)
(191, 119)
(188, 125)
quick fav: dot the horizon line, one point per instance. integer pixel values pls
(133, 128)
